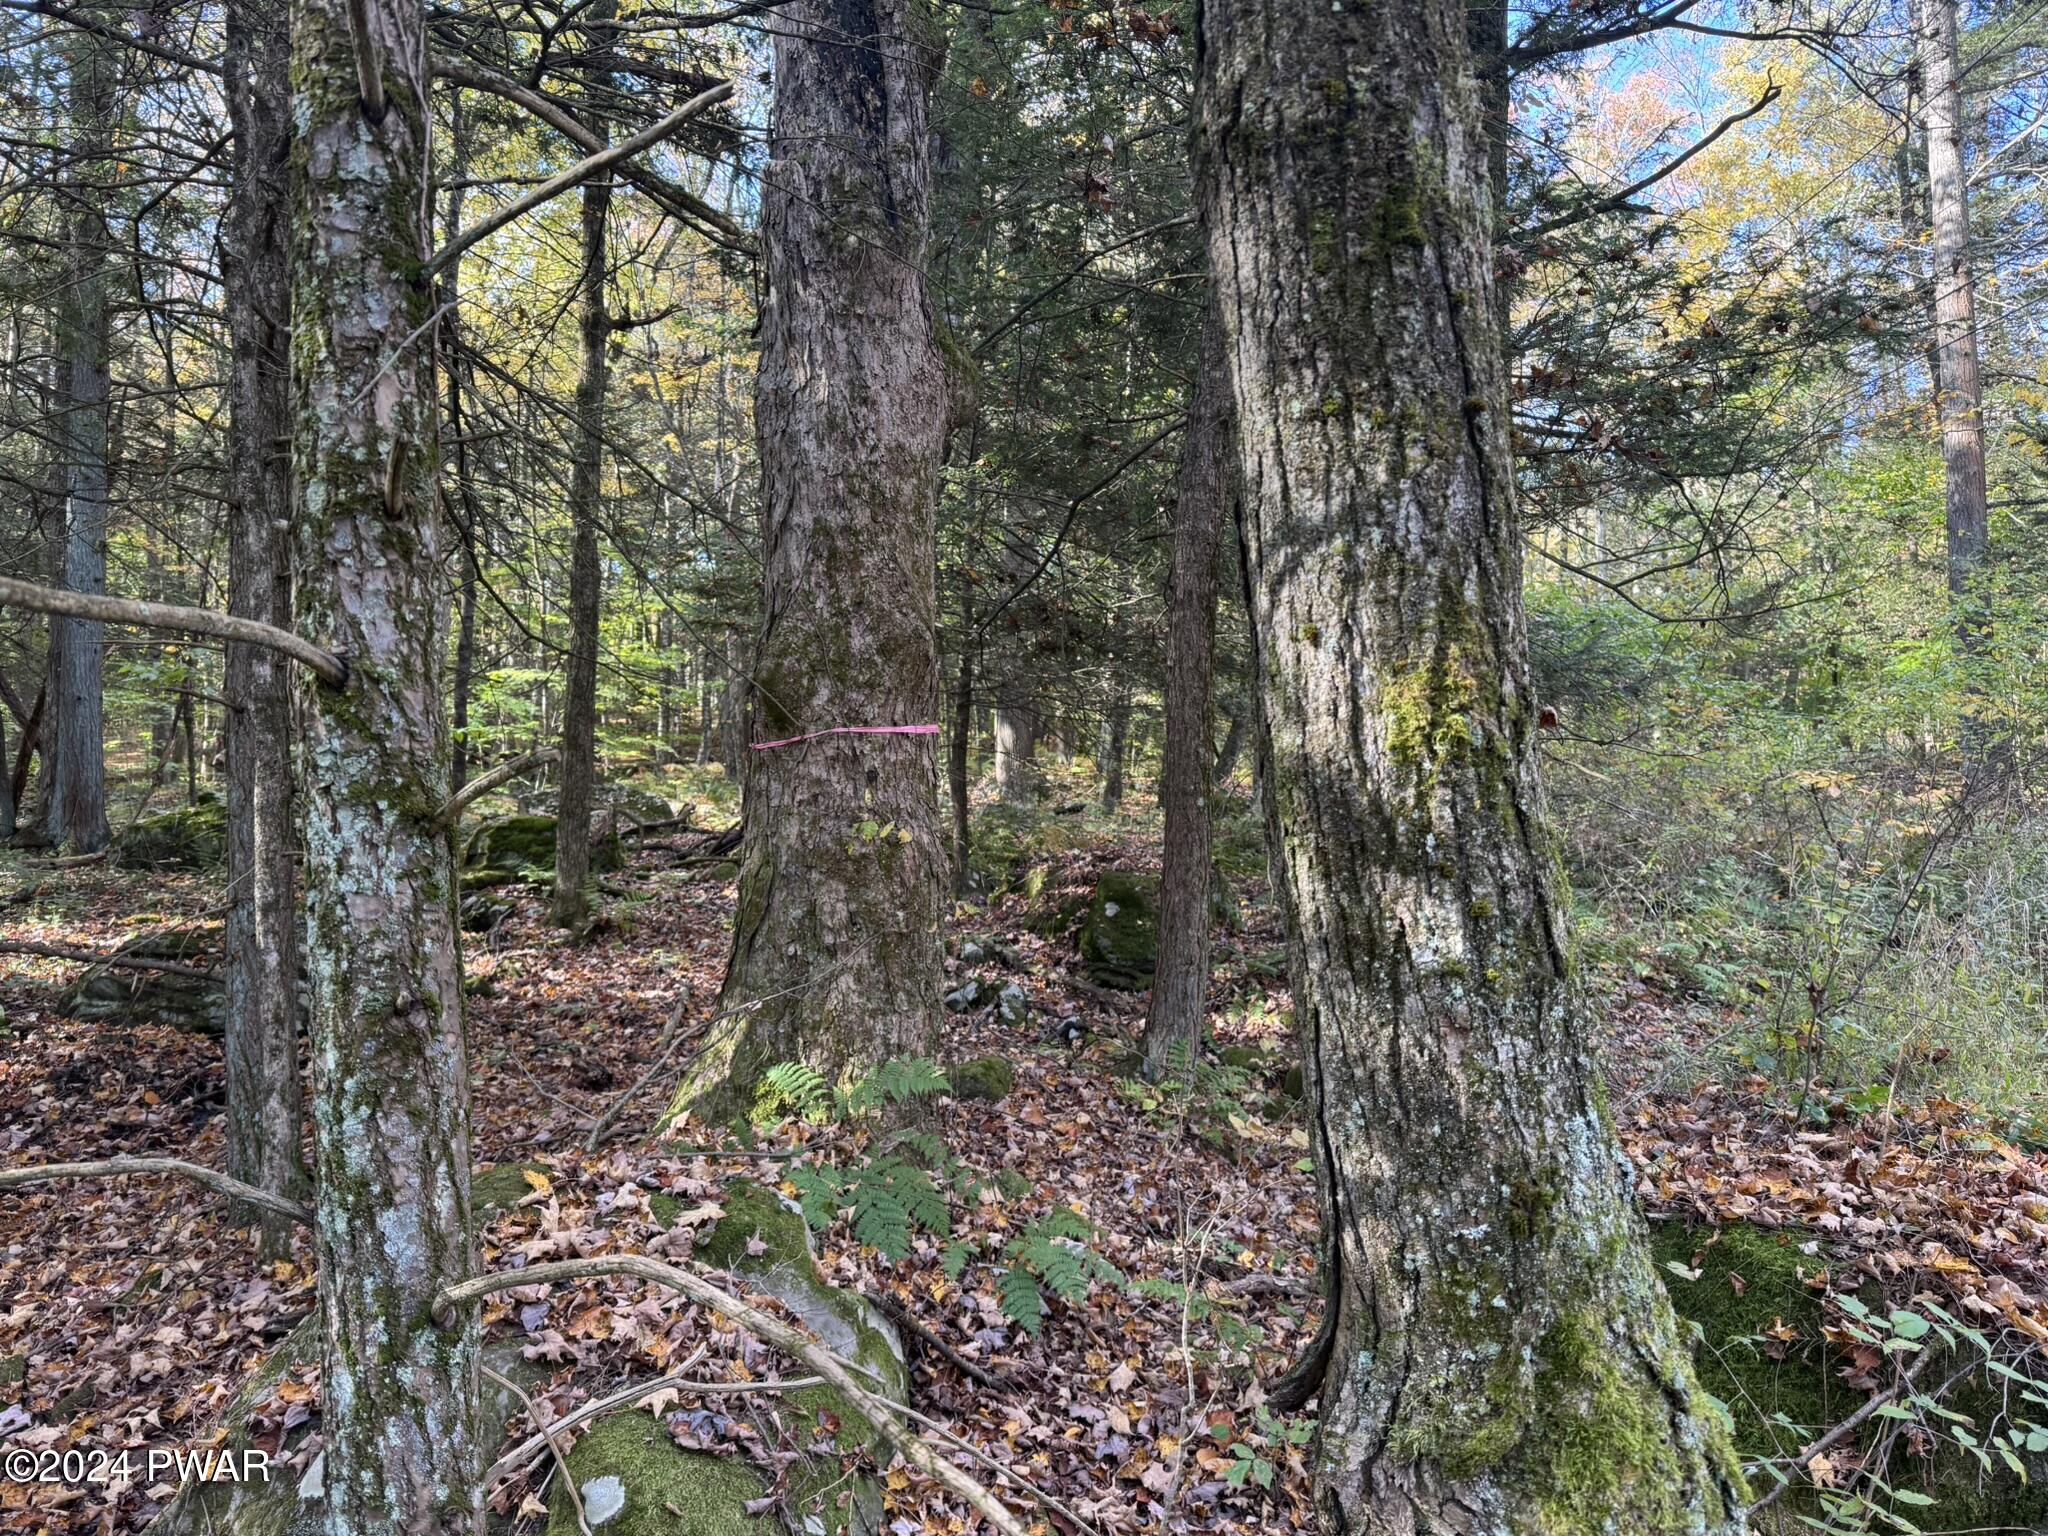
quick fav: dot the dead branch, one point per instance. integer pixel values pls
(482, 785)
(199, 621)
(577, 174)
(93, 957)
(115, 1167)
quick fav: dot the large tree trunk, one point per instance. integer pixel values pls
(1208, 472)
(1959, 390)
(390, 1085)
(1499, 1354)
(586, 576)
(76, 808)
(842, 869)
(261, 1045)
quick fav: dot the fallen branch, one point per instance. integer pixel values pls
(884, 1414)
(483, 784)
(115, 1167)
(902, 1317)
(94, 957)
(548, 1433)
(327, 667)
(577, 174)
(1837, 1435)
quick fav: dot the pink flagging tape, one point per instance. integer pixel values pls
(850, 730)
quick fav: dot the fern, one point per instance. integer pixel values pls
(796, 1087)
(1052, 1254)
(955, 1259)
(1023, 1303)
(896, 1081)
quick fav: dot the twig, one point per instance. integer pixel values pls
(577, 174)
(901, 1316)
(547, 1433)
(883, 1414)
(329, 668)
(1837, 1435)
(662, 1048)
(114, 1167)
(93, 957)
(989, 1461)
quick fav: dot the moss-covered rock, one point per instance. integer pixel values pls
(634, 1480)
(989, 1078)
(192, 837)
(523, 848)
(1763, 1356)
(1119, 938)
(130, 996)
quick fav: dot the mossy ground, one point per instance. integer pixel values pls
(1782, 1393)
(1120, 936)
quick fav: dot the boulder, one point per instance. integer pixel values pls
(193, 837)
(1119, 937)
(523, 848)
(989, 1078)
(123, 996)
(1012, 1006)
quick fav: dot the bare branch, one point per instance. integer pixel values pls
(476, 788)
(579, 173)
(328, 667)
(115, 1167)
(94, 957)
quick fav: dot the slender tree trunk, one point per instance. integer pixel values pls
(1959, 391)
(842, 868)
(6, 787)
(265, 1108)
(399, 1403)
(31, 739)
(1116, 736)
(1016, 729)
(77, 806)
(1498, 1353)
(1208, 470)
(1232, 748)
(579, 707)
(465, 483)
(959, 751)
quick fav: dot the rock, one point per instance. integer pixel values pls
(1803, 1387)
(480, 914)
(1294, 1084)
(1119, 938)
(523, 848)
(1247, 1058)
(1012, 1006)
(632, 806)
(971, 994)
(124, 996)
(634, 1480)
(192, 837)
(989, 1078)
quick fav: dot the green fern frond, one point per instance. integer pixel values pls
(1022, 1301)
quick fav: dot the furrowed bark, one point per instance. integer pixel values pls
(571, 907)
(75, 811)
(842, 868)
(1500, 1354)
(1208, 468)
(390, 1089)
(265, 1108)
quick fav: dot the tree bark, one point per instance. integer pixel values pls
(465, 482)
(1116, 739)
(265, 1106)
(1208, 470)
(76, 809)
(1959, 391)
(959, 750)
(1498, 1353)
(390, 1087)
(842, 870)
(1016, 730)
(571, 908)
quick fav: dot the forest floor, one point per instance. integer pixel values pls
(130, 1312)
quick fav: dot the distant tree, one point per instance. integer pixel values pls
(1491, 1299)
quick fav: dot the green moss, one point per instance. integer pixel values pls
(496, 1189)
(525, 846)
(664, 1488)
(192, 837)
(752, 1211)
(1119, 938)
(986, 1077)
(1604, 1436)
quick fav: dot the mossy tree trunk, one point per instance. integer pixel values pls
(842, 870)
(390, 1085)
(1498, 1353)
(262, 1026)
(571, 907)
(1208, 473)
